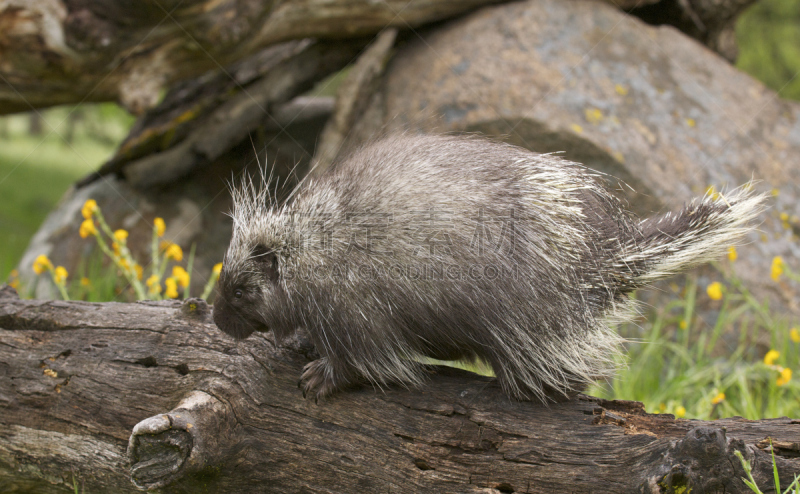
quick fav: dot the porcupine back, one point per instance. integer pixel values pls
(457, 249)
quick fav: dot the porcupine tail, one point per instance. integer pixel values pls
(700, 232)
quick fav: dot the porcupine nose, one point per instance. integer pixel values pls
(229, 322)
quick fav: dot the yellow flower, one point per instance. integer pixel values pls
(153, 286)
(138, 270)
(42, 264)
(771, 357)
(732, 255)
(690, 122)
(115, 247)
(794, 335)
(784, 216)
(785, 377)
(14, 281)
(160, 226)
(775, 192)
(86, 282)
(680, 412)
(87, 228)
(662, 407)
(683, 324)
(89, 207)
(718, 399)
(121, 235)
(174, 252)
(60, 275)
(217, 268)
(124, 264)
(172, 288)
(714, 291)
(181, 276)
(777, 268)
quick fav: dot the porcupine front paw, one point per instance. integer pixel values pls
(320, 380)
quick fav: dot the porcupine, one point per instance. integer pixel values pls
(457, 248)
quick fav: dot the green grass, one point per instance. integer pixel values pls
(768, 34)
(672, 367)
(35, 171)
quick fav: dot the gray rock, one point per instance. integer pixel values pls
(645, 104)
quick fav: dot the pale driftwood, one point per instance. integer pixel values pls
(212, 415)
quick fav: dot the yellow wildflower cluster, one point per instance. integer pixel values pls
(114, 244)
(13, 279)
(42, 264)
(173, 251)
(87, 228)
(714, 291)
(172, 288)
(153, 285)
(794, 335)
(771, 357)
(59, 273)
(680, 412)
(784, 374)
(181, 276)
(732, 254)
(777, 268)
(159, 226)
(719, 398)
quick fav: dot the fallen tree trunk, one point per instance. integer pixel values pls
(209, 414)
(68, 51)
(56, 52)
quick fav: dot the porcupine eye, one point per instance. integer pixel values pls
(238, 293)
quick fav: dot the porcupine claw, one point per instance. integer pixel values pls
(317, 379)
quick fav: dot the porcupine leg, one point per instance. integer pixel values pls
(324, 376)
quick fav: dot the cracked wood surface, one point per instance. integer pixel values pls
(209, 414)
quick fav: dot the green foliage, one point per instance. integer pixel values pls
(36, 170)
(769, 45)
(706, 369)
(794, 487)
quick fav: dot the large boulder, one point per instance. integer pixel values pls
(644, 104)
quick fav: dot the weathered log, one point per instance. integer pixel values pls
(352, 98)
(209, 414)
(200, 128)
(68, 51)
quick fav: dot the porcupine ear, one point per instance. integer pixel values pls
(267, 261)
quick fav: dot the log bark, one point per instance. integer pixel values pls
(68, 51)
(202, 119)
(118, 397)
(72, 51)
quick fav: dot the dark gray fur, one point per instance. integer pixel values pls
(545, 324)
